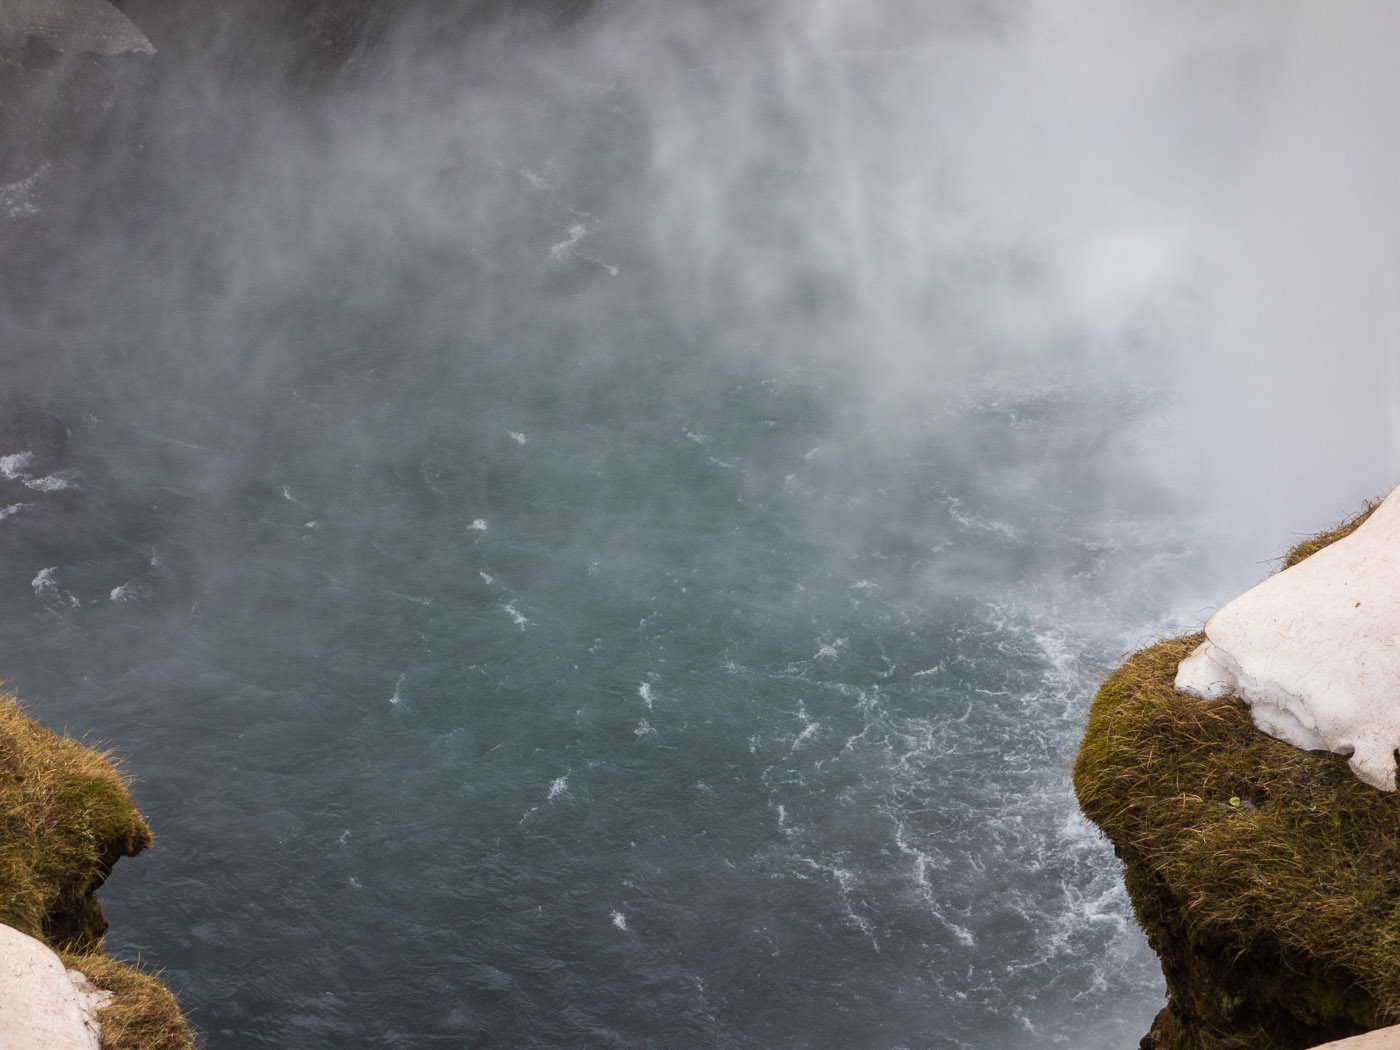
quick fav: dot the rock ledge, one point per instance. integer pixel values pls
(1266, 877)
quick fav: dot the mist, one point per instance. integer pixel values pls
(897, 196)
(825, 392)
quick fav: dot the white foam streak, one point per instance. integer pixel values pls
(46, 587)
(561, 251)
(50, 483)
(13, 466)
(17, 198)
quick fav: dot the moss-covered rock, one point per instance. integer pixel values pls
(1265, 877)
(65, 819)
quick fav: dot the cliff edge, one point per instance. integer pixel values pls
(1266, 878)
(65, 819)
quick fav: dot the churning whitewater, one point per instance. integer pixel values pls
(603, 536)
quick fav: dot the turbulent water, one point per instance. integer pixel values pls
(605, 539)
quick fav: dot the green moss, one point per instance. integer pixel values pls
(1267, 878)
(65, 819)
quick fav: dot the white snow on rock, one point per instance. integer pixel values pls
(1315, 650)
(42, 1005)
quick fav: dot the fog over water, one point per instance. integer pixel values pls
(603, 533)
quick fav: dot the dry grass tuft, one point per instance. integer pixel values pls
(143, 1015)
(1266, 877)
(1314, 544)
(65, 819)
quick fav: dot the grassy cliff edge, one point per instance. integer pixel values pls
(65, 819)
(1266, 878)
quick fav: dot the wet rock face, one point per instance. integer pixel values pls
(1314, 650)
(75, 26)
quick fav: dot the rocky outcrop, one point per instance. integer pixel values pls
(71, 25)
(65, 819)
(1267, 878)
